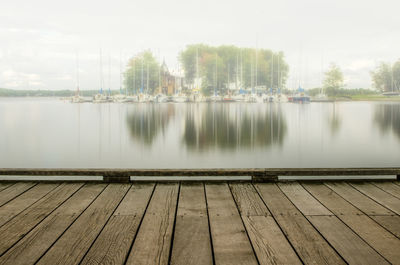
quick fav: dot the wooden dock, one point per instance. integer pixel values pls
(200, 223)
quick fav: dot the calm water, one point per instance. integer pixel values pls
(53, 133)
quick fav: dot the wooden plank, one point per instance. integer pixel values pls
(75, 242)
(389, 187)
(4, 186)
(343, 239)
(31, 247)
(153, 241)
(248, 201)
(378, 195)
(269, 243)
(375, 235)
(390, 222)
(303, 200)
(230, 241)
(380, 214)
(349, 245)
(192, 244)
(359, 200)
(113, 243)
(20, 203)
(20, 225)
(308, 243)
(14, 191)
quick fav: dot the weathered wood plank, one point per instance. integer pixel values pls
(113, 243)
(4, 186)
(380, 214)
(303, 200)
(375, 235)
(32, 246)
(191, 243)
(75, 242)
(248, 201)
(343, 239)
(380, 196)
(20, 203)
(389, 187)
(14, 191)
(20, 225)
(349, 245)
(153, 241)
(359, 200)
(390, 222)
(308, 243)
(269, 243)
(230, 241)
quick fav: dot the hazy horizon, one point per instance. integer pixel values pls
(40, 39)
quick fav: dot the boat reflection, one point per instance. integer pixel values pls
(387, 117)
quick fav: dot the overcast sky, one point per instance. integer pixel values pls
(39, 38)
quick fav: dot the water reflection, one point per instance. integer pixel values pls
(146, 121)
(387, 117)
(334, 120)
(228, 126)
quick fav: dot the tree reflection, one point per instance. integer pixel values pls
(334, 121)
(387, 117)
(146, 121)
(231, 126)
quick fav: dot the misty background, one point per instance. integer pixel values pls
(40, 39)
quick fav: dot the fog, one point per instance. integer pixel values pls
(40, 39)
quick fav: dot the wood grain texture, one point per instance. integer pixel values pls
(153, 241)
(347, 243)
(389, 187)
(113, 243)
(20, 225)
(17, 205)
(378, 195)
(32, 246)
(390, 222)
(269, 243)
(303, 200)
(308, 243)
(359, 200)
(247, 200)
(75, 242)
(375, 235)
(192, 244)
(230, 241)
(17, 189)
(4, 186)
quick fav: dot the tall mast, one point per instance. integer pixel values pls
(216, 75)
(197, 68)
(272, 72)
(237, 70)
(142, 85)
(256, 66)
(147, 78)
(279, 73)
(109, 74)
(101, 73)
(77, 73)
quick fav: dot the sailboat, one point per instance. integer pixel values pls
(101, 98)
(77, 97)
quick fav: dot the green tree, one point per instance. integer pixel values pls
(334, 80)
(142, 73)
(386, 77)
(244, 67)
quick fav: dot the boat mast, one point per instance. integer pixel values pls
(216, 75)
(142, 85)
(197, 69)
(101, 73)
(147, 78)
(272, 72)
(109, 74)
(77, 73)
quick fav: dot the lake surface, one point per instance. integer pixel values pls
(51, 133)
